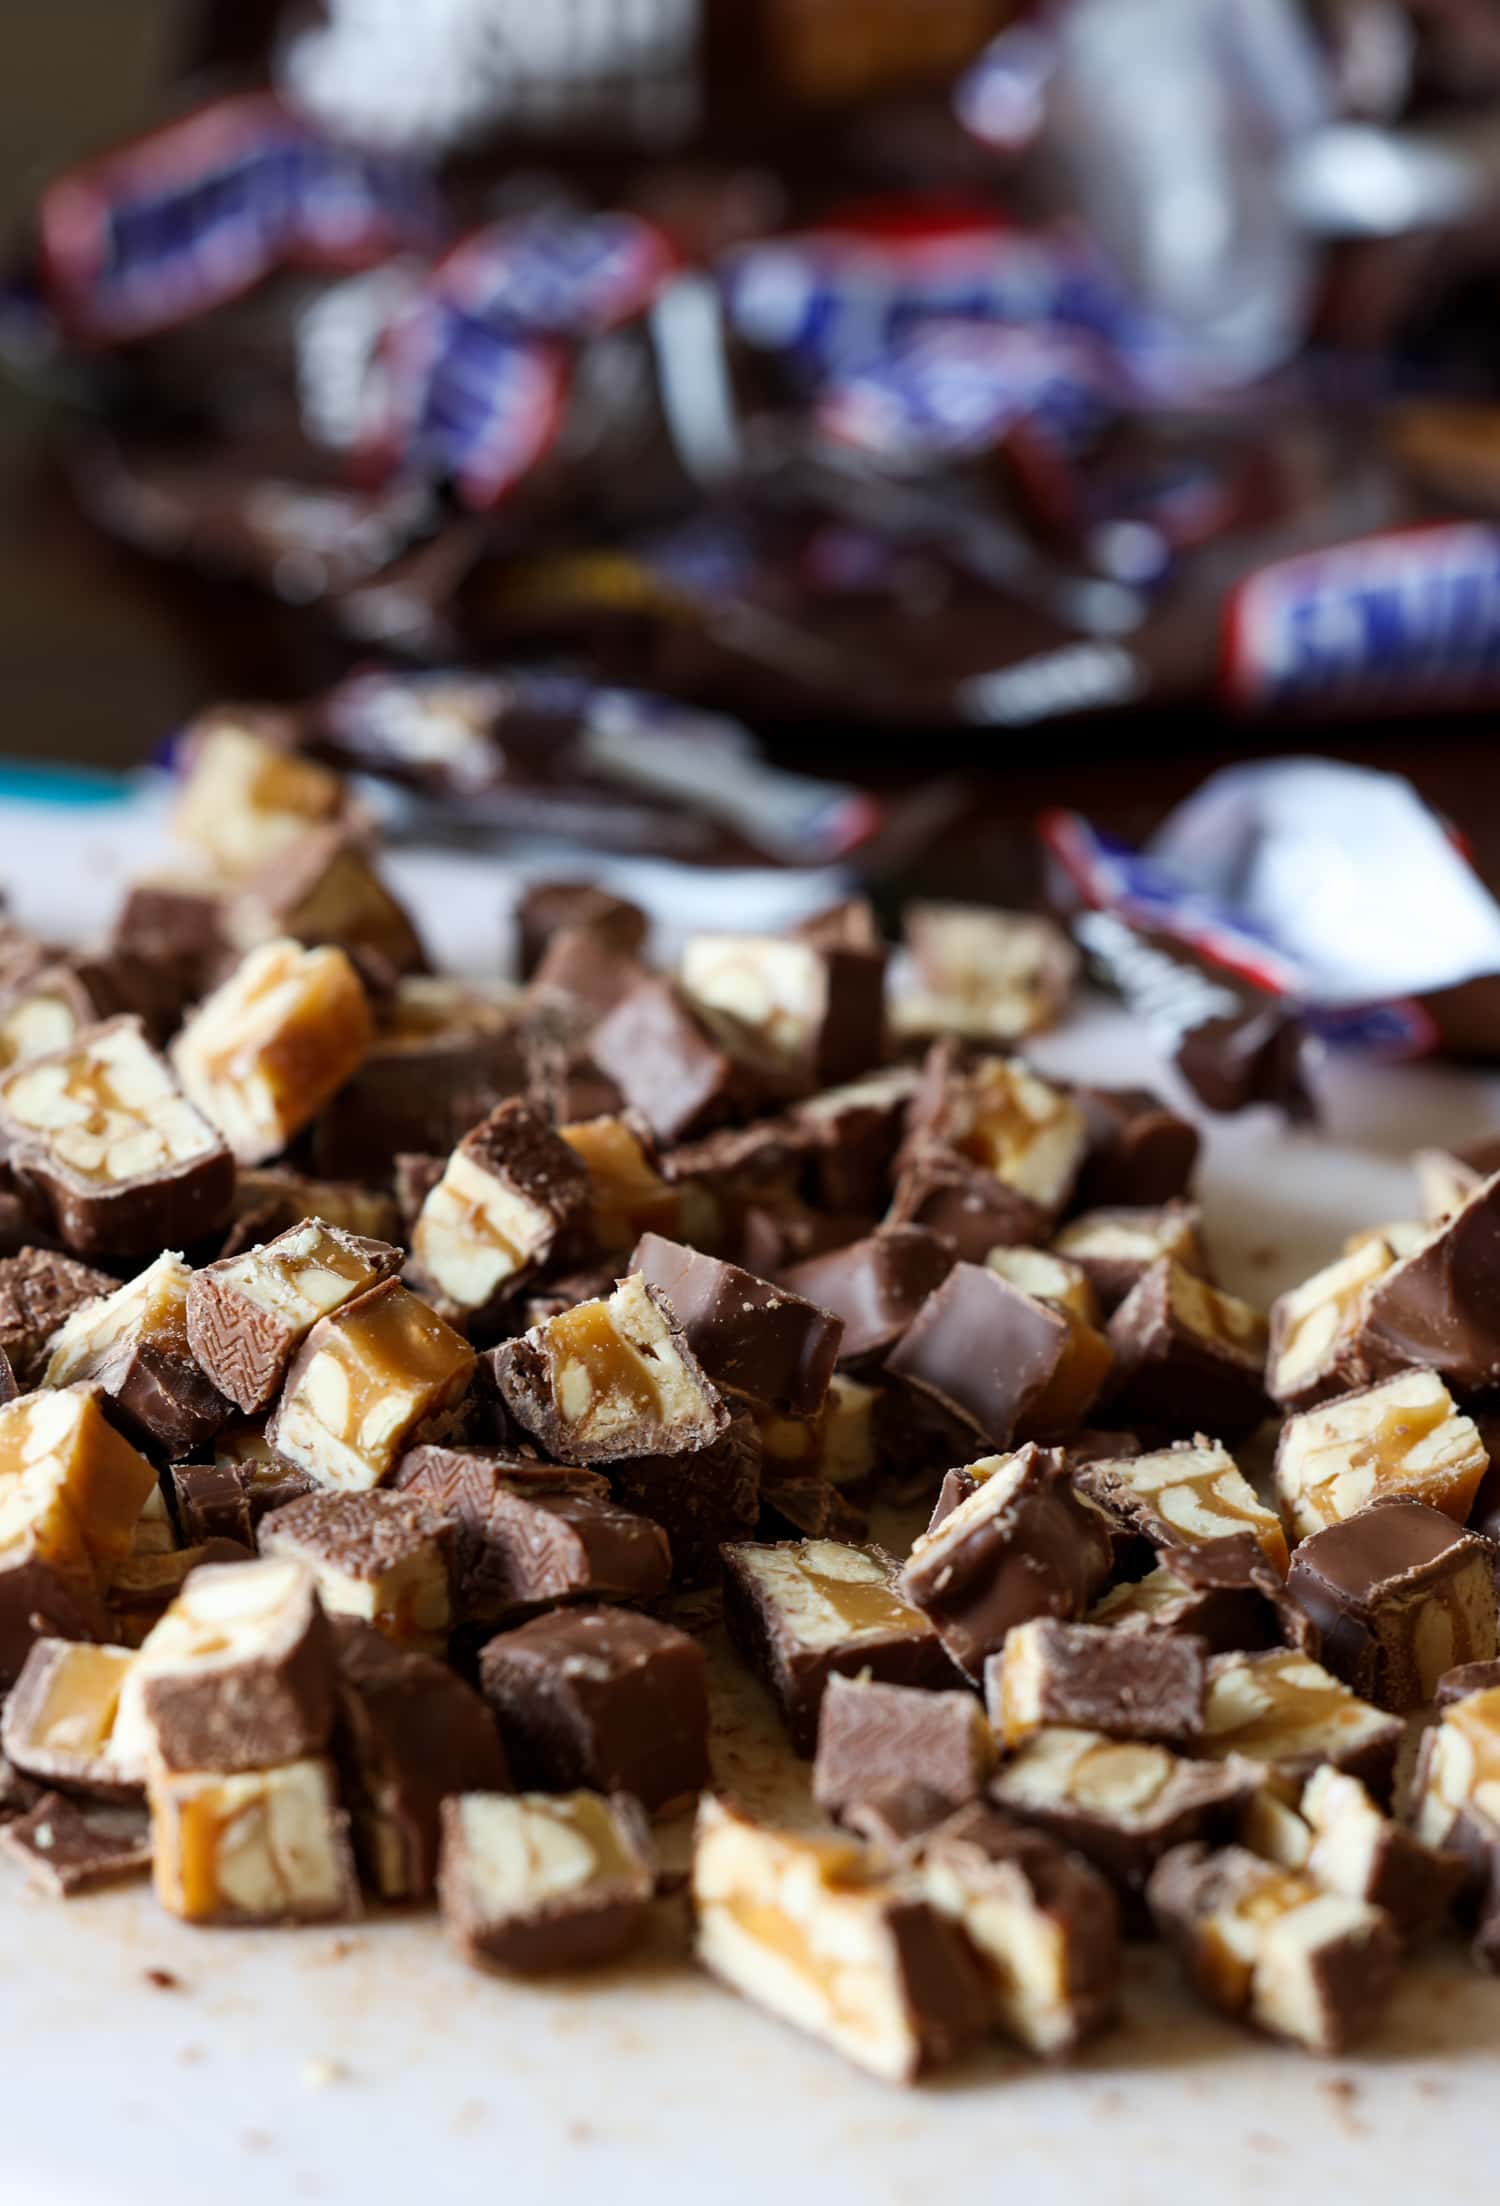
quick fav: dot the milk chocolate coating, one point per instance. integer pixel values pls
(796, 1673)
(938, 1188)
(39, 1601)
(561, 1928)
(162, 1401)
(1129, 1685)
(982, 1349)
(853, 1134)
(1234, 1600)
(39, 1289)
(1439, 1307)
(254, 1714)
(604, 1699)
(228, 1500)
(581, 975)
(1174, 1380)
(1206, 1801)
(1140, 1151)
(701, 1497)
(418, 1097)
(665, 1062)
(547, 909)
(1466, 1678)
(1045, 1553)
(754, 1339)
(911, 1756)
(69, 1848)
(875, 1286)
(410, 1732)
(1369, 1584)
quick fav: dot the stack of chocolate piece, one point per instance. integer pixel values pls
(403, 1376)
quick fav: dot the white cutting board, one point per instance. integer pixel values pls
(368, 2067)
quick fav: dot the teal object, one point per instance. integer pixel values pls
(72, 787)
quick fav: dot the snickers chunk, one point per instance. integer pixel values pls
(998, 1360)
(753, 1339)
(808, 1929)
(535, 1882)
(133, 1345)
(1402, 1439)
(1186, 1355)
(1289, 1714)
(1436, 1307)
(1315, 1329)
(247, 1315)
(70, 1847)
(364, 1383)
(627, 1195)
(326, 889)
(1398, 1595)
(874, 1286)
(237, 1676)
(610, 1378)
(666, 1062)
(819, 1009)
(1042, 1922)
(1121, 1803)
(1458, 1772)
(602, 1698)
(1115, 1248)
(264, 1846)
(106, 1137)
(1140, 1152)
(1270, 1946)
(60, 1719)
(992, 976)
(1186, 1496)
(804, 1610)
(263, 1054)
(1083, 1676)
(912, 1757)
(1023, 1543)
(1357, 1851)
(999, 1115)
(411, 1733)
(380, 1557)
(39, 1290)
(71, 1493)
(246, 800)
(510, 1195)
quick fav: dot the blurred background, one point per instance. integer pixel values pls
(982, 406)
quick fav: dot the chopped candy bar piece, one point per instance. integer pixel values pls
(445, 1053)
(701, 1497)
(247, 1315)
(380, 1557)
(819, 1008)
(540, 1881)
(1140, 1151)
(1044, 1924)
(39, 1290)
(326, 889)
(1022, 1544)
(263, 1054)
(101, 1132)
(1400, 1440)
(133, 1345)
(238, 1675)
(1436, 1307)
(1272, 1947)
(802, 1611)
(1398, 1594)
(1457, 1782)
(1139, 1686)
(912, 1756)
(69, 1847)
(246, 800)
(265, 1846)
(627, 1195)
(809, 1929)
(609, 1379)
(1315, 1329)
(666, 1062)
(994, 976)
(363, 1386)
(411, 1733)
(60, 1719)
(999, 1361)
(875, 1286)
(511, 1197)
(1116, 1248)
(1361, 1853)
(605, 1698)
(755, 1340)
(71, 1493)
(1186, 1356)
(1122, 1803)
(1287, 1712)
(1191, 1495)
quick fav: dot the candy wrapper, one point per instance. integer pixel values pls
(1291, 904)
